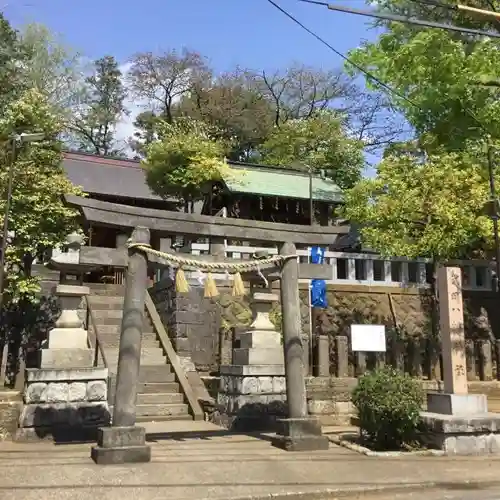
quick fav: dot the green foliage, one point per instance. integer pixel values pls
(414, 209)
(39, 218)
(51, 67)
(240, 114)
(13, 56)
(320, 143)
(438, 71)
(184, 160)
(146, 125)
(388, 404)
(95, 121)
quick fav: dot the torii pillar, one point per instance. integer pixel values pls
(299, 432)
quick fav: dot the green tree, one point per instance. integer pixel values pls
(237, 110)
(320, 143)
(423, 209)
(13, 58)
(438, 72)
(185, 159)
(146, 125)
(51, 67)
(39, 219)
(94, 121)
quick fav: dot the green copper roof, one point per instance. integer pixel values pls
(271, 181)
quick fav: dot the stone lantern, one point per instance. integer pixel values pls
(67, 395)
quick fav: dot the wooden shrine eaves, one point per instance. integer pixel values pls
(167, 223)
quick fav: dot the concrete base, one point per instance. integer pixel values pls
(462, 435)
(121, 445)
(457, 404)
(301, 434)
(64, 405)
(125, 455)
(66, 358)
(459, 424)
(252, 397)
(245, 356)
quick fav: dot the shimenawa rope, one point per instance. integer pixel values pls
(181, 284)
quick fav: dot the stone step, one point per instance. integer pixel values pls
(108, 341)
(104, 314)
(116, 329)
(145, 360)
(105, 302)
(146, 388)
(9, 396)
(156, 374)
(160, 398)
(114, 318)
(153, 411)
(106, 289)
(163, 418)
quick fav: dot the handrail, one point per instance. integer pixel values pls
(172, 356)
(97, 345)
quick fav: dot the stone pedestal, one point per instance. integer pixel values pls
(67, 345)
(455, 421)
(300, 434)
(120, 445)
(64, 404)
(66, 398)
(253, 389)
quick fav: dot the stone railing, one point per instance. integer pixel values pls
(371, 269)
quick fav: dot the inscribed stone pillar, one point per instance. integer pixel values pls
(455, 400)
(452, 329)
(456, 422)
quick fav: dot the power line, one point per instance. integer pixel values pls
(403, 19)
(367, 74)
(344, 57)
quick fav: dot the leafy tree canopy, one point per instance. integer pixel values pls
(39, 219)
(320, 143)
(185, 158)
(439, 74)
(423, 209)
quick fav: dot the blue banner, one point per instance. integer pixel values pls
(318, 287)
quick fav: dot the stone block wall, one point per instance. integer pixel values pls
(64, 401)
(191, 321)
(66, 392)
(238, 391)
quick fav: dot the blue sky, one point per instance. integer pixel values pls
(249, 33)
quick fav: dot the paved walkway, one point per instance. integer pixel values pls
(202, 461)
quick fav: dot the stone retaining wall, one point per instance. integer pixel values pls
(64, 401)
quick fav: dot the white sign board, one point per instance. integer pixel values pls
(368, 338)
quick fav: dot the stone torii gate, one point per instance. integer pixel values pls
(124, 441)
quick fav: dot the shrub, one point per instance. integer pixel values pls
(388, 404)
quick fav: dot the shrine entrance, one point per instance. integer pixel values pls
(124, 441)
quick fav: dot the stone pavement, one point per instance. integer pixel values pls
(198, 460)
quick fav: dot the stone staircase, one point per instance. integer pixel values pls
(159, 395)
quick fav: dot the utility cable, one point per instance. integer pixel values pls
(403, 19)
(367, 74)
